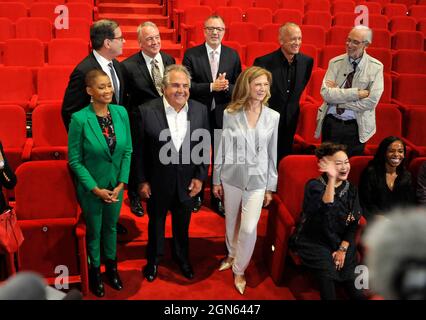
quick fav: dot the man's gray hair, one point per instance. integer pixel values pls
(396, 254)
(174, 68)
(368, 34)
(145, 24)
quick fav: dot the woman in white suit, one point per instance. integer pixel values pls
(245, 168)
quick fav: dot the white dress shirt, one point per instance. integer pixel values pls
(148, 60)
(104, 65)
(177, 122)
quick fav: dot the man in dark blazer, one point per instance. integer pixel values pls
(291, 71)
(213, 80)
(107, 43)
(141, 88)
(169, 170)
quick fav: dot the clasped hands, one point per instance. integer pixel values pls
(108, 196)
(361, 93)
(221, 83)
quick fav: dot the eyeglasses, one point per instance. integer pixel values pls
(354, 42)
(211, 29)
(118, 38)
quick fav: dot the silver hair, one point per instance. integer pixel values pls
(145, 24)
(174, 68)
(368, 35)
(390, 244)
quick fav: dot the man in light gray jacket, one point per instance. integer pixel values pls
(351, 90)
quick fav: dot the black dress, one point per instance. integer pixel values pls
(325, 225)
(376, 197)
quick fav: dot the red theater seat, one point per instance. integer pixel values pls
(373, 7)
(13, 134)
(402, 23)
(13, 10)
(259, 16)
(383, 55)
(407, 40)
(44, 10)
(282, 16)
(317, 5)
(257, 49)
(48, 214)
(329, 52)
(50, 140)
(17, 86)
(415, 129)
(230, 14)
(318, 18)
(67, 51)
(243, 32)
(418, 12)
(314, 35)
(243, 4)
(269, 32)
(213, 4)
(7, 29)
(409, 61)
(394, 9)
(337, 35)
(77, 28)
(34, 28)
(51, 83)
(23, 52)
(342, 6)
(270, 4)
(291, 4)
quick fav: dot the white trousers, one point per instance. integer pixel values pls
(243, 210)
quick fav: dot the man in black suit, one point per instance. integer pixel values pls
(169, 170)
(214, 69)
(143, 72)
(291, 71)
(107, 43)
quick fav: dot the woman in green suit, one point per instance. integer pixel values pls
(99, 152)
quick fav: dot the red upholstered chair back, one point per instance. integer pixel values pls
(12, 126)
(388, 123)
(48, 129)
(414, 167)
(415, 128)
(293, 173)
(45, 191)
(358, 164)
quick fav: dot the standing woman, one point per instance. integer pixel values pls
(386, 182)
(245, 169)
(325, 237)
(100, 149)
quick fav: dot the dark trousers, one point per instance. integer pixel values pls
(158, 206)
(213, 125)
(132, 186)
(343, 132)
(328, 289)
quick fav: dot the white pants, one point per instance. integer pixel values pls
(243, 210)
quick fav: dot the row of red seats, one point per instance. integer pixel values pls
(46, 9)
(245, 32)
(43, 29)
(49, 137)
(58, 52)
(390, 120)
(332, 6)
(22, 88)
(261, 16)
(49, 216)
(293, 173)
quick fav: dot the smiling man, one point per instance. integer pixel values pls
(167, 185)
(291, 71)
(351, 90)
(143, 73)
(214, 69)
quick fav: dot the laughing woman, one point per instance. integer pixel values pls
(386, 183)
(99, 150)
(331, 211)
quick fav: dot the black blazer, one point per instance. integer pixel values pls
(165, 179)
(7, 179)
(197, 61)
(273, 62)
(140, 87)
(76, 97)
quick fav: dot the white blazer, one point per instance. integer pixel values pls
(245, 157)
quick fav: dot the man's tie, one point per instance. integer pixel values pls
(156, 76)
(114, 83)
(214, 66)
(348, 84)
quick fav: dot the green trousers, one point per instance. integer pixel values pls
(101, 226)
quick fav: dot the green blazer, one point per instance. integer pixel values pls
(88, 153)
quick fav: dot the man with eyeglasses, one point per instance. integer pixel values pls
(143, 73)
(351, 90)
(107, 43)
(167, 178)
(214, 69)
(291, 71)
